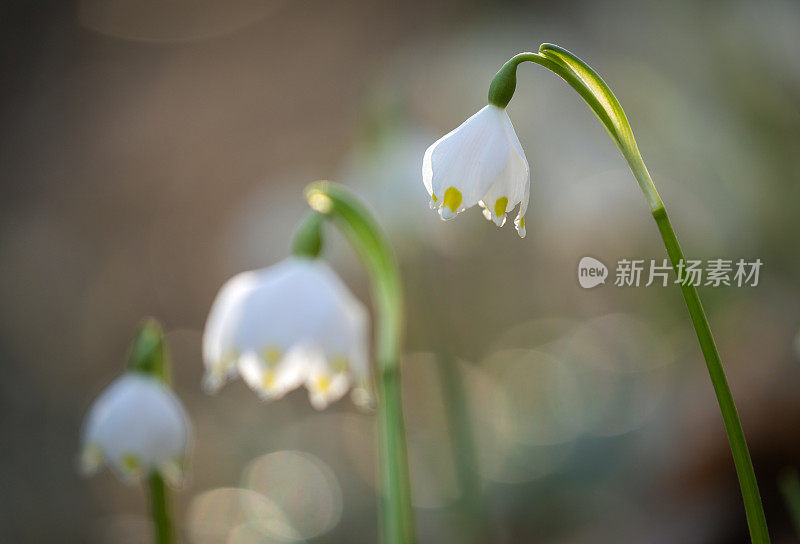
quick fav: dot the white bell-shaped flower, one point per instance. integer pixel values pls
(292, 324)
(481, 162)
(137, 425)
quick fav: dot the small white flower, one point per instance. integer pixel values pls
(137, 425)
(481, 162)
(292, 324)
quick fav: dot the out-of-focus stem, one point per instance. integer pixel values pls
(159, 509)
(465, 457)
(368, 239)
(790, 487)
(149, 356)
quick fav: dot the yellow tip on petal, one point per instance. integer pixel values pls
(340, 364)
(130, 465)
(500, 206)
(521, 227)
(433, 197)
(268, 381)
(323, 383)
(271, 355)
(452, 199)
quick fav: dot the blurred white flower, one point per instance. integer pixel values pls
(292, 324)
(137, 425)
(481, 162)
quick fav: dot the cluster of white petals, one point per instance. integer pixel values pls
(137, 425)
(292, 324)
(480, 162)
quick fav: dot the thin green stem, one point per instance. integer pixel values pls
(159, 509)
(605, 105)
(149, 355)
(733, 427)
(366, 236)
(457, 411)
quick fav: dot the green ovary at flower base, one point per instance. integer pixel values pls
(483, 154)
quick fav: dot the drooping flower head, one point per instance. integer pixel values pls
(480, 162)
(292, 324)
(138, 425)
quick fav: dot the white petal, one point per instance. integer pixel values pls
(446, 213)
(427, 172)
(136, 424)
(512, 185)
(220, 348)
(485, 211)
(325, 388)
(92, 457)
(481, 162)
(298, 308)
(468, 158)
(519, 223)
(258, 375)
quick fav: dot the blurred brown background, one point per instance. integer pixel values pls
(150, 150)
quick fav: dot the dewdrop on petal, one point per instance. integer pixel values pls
(480, 162)
(289, 325)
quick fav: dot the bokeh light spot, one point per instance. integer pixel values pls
(303, 487)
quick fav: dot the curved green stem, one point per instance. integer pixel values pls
(733, 427)
(159, 509)
(605, 105)
(366, 236)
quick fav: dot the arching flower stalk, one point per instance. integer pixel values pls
(481, 158)
(362, 231)
(296, 324)
(139, 427)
